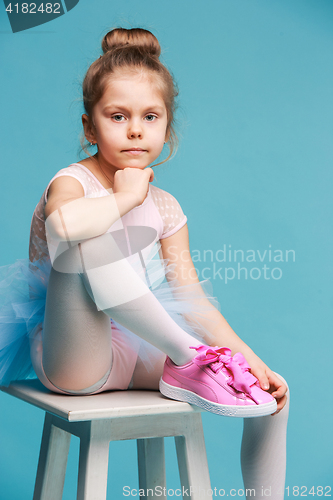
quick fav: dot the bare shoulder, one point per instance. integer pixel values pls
(62, 189)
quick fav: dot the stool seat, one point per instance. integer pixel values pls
(146, 416)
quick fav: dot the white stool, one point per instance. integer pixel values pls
(111, 416)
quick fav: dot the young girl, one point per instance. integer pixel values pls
(102, 240)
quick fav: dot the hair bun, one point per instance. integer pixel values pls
(120, 37)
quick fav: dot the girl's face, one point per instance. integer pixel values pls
(130, 121)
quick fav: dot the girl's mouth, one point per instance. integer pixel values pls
(134, 151)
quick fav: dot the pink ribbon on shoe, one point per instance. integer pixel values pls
(237, 366)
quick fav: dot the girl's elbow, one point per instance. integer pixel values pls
(55, 228)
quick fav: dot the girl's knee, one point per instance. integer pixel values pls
(85, 255)
(76, 374)
(75, 385)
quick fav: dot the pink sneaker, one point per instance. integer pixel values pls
(217, 382)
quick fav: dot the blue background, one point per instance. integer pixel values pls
(254, 169)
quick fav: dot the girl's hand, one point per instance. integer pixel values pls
(134, 181)
(271, 383)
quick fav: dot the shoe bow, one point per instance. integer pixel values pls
(220, 357)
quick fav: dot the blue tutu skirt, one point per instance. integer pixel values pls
(23, 287)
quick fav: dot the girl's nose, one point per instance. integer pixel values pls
(134, 130)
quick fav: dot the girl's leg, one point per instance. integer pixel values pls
(76, 356)
(77, 351)
(263, 454)
(119, 291)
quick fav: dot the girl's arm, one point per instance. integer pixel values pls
(71, 216)
(176, 249)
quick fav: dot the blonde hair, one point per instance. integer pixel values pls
(131, 49)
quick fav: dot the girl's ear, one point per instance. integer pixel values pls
(167, 135)
(88, 128)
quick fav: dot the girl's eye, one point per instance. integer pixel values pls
(150, 118)
(117, 118)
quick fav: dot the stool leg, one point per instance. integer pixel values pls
(52, 462)
(151, 464)
(192, 460)
(93, 462)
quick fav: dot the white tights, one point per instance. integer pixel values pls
(263, 453)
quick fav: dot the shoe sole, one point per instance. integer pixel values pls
(226, 410)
